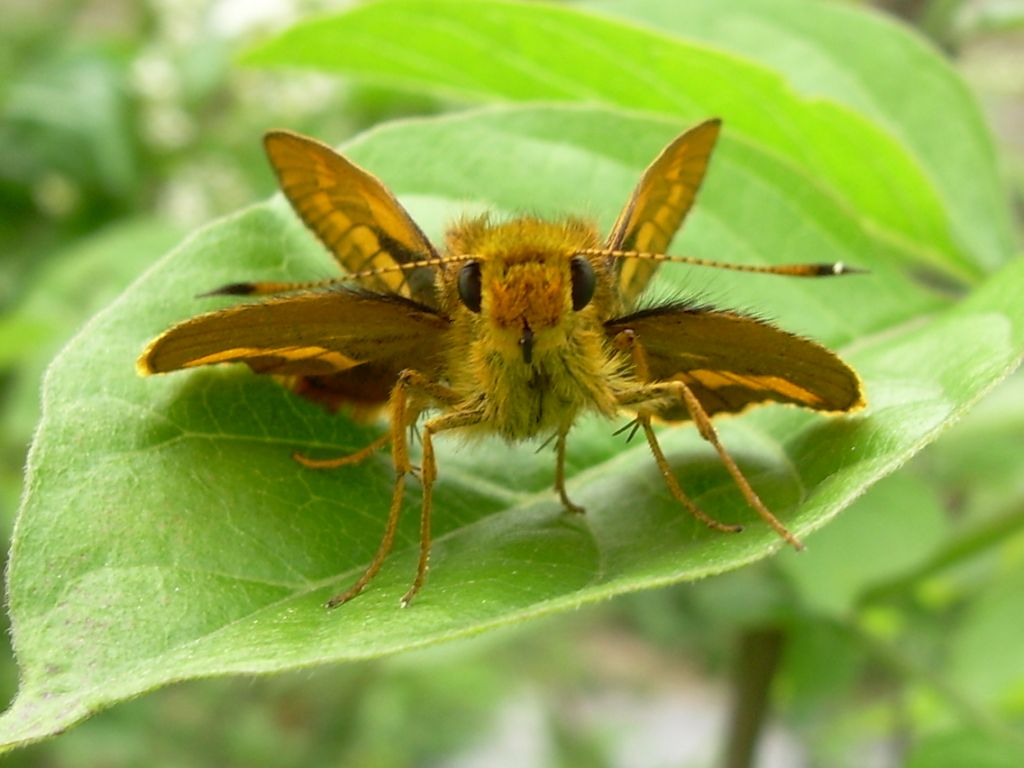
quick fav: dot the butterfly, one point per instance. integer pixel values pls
(515, 328)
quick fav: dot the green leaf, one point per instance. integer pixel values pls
(983, 465)
(962, 747)
(852, 555)
(990, 629)
(166, 533)
(19, 339)
(821, 667)
(71, 116)
(846, 56)
(492, 49)
(55, 305)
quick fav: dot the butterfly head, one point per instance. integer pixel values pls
(525, 283)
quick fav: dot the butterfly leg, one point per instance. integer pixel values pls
(627, 342)
(447, 421)
(673, 484)
(347, 459)
(708, 432)
(410, 395)
(560, 474)
(382, 550)
(678, 389)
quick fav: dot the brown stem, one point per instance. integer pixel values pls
(760, 649)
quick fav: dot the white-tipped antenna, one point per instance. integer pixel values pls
(828, 269)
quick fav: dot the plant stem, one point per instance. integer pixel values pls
(760, 649)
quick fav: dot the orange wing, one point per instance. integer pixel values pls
(731, 361)
(658, 205)
(353, 214)
(335, 346)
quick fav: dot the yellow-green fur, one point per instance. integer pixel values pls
(526, 280)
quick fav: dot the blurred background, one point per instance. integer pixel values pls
(125, 125)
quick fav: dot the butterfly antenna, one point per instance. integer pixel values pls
(270, 286)
(826, 269)
(408, 266)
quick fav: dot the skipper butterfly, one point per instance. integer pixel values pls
(515, 329)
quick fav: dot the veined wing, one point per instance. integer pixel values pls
(732, 361)
(658, 205)
(353, 214)
(316, 334)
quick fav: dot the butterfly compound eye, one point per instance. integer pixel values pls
(469, 285)
(583, 282)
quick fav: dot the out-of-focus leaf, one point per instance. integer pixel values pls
(890, 530)
(20, 337)
(961, 748)
(981, 464)
(70, 116)
(820, 670)
(848, 56)
(987, 658)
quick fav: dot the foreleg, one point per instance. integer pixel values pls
(412, 392)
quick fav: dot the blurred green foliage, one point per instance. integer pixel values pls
(124, 125)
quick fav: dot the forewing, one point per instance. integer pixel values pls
(732, 361)
(658, 206)
(323, 334)
(353, 214)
